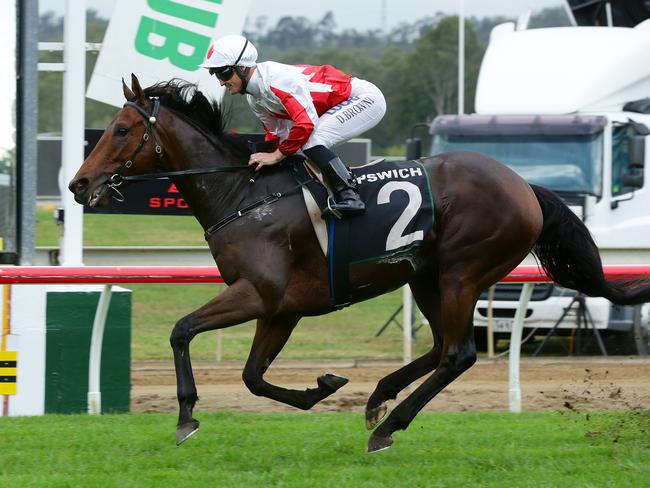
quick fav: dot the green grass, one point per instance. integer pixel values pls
(348, 334)
(124, 230)
(325, 450)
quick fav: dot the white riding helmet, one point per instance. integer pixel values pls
(230, 51)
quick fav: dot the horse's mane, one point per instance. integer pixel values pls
(186, 99)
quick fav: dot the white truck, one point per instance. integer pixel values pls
(568, 108)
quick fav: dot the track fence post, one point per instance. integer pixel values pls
(407, 328)
(490, 322)
(514, 391)
(95, 361)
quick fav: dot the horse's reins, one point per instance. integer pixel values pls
(117, 178)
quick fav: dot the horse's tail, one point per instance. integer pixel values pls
(570, 257)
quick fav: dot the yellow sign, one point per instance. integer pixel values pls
(8, 372)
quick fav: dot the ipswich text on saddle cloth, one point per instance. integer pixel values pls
(391, 174)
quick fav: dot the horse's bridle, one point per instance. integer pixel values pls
(149, 132)
(151, 122)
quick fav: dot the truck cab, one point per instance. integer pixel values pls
(568, 108)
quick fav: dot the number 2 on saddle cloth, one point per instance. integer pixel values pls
(399, 213)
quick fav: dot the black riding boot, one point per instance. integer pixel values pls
(347, 202)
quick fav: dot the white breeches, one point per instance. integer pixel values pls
(363, 110)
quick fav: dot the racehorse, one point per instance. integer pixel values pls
(487, 219)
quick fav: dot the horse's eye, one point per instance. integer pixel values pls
(121, 131)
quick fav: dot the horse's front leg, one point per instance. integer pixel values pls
(237, 304)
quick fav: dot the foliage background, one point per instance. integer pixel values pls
(415, 65)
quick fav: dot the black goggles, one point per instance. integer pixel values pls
(223, 73)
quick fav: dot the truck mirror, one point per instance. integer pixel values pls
(413, 148)
(634, 179)
(637, 151)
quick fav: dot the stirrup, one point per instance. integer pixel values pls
(329, 211)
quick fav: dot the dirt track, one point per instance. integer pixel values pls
(547, 384)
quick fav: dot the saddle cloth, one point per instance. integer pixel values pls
(399, 209)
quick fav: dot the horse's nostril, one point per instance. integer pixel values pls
(78, 186)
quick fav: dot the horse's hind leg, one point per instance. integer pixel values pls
(427, 296)
(458, 354)
(270, 338)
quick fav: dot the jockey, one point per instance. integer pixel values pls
(304, 109)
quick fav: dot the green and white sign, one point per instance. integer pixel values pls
(162, 39)
(47, 350)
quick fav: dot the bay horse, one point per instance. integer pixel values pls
(487, 219)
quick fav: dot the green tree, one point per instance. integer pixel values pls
(98, 114)
(549, 17)
(483, 26)
(50, 84)
(7, 160)
(427, 84)
(415, 65)
(433, 67)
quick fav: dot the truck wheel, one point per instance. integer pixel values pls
(480, 338)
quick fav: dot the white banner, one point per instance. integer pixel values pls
(162, 39)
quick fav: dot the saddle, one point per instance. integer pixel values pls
(399, 213)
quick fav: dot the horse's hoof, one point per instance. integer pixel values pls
(331, 381)
(376, 443)
(186, 430)
(375, 415)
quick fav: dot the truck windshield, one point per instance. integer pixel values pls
(563, 163)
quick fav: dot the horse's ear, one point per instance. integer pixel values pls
(128, 93)
(137, 89)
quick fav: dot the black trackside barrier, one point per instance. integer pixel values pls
(154, 197)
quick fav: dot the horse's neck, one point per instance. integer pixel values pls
(211, 196)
